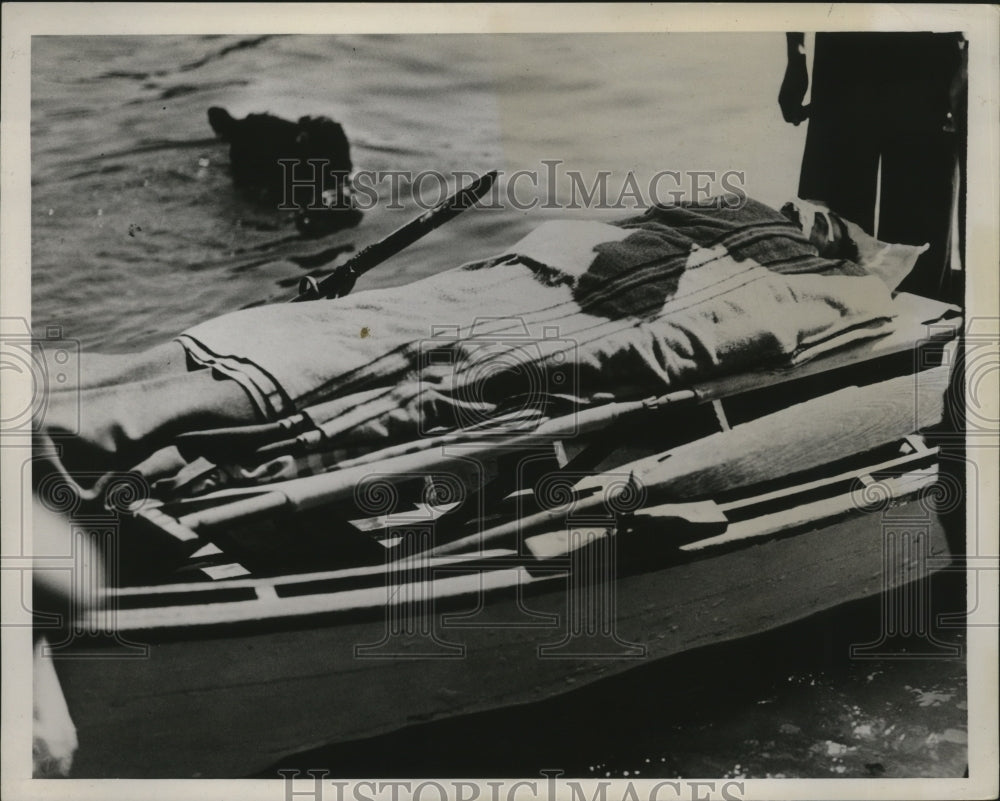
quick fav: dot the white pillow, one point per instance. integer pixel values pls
(839, 238)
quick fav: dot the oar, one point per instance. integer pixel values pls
(341, 281)
(819, 431)
(402, 461)
(708, 522)
(805, 436)
(233, 443)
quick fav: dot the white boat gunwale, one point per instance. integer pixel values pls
(480, 572)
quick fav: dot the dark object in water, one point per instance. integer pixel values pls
(259, 143)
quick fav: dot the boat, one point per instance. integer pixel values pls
(253, 623)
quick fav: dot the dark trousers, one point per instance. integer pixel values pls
(840, 169)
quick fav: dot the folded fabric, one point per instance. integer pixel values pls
(650, 304)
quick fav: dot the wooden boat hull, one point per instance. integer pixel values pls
(224, 678)
(229, 701)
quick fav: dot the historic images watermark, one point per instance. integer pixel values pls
(313, 786)
(969, 438)
(515, 395)
(77, 546)
(906, 504)
(312, 185)
(494, 375)
(33, 368)
(911, 620)
(71, 554)
(38, 366)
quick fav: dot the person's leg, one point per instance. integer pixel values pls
(840, 168)
(918, 172)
